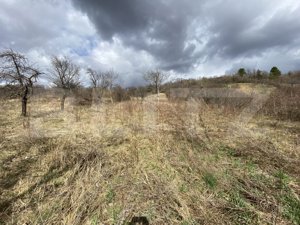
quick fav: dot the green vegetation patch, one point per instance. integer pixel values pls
(210, 180)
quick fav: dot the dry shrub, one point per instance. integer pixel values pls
(120, 94)
(83, 97)
(230, 99)
(9, 92)
(284, 103)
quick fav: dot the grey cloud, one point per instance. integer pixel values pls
(231, 29)
(180, 36)
(23, 28)
(46, 25)
(158, 27)
(241, 34)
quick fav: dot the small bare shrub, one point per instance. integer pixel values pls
(284, 103)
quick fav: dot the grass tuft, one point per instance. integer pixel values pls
(210, 180)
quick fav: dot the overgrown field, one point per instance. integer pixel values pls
(173, 162)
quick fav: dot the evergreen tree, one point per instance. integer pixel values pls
(274, 73)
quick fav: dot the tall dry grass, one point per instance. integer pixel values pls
(173, 162)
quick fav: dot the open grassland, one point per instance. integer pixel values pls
(173, 162)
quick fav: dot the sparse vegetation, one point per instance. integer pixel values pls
(176, 161)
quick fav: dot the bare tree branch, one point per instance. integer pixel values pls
(95, 77)
(156, 78)
(16, 70)
(108, 79)
(102, 81)
(64, 74)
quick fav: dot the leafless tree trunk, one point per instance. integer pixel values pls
(24, 101)
(62, 101)
(64, 75)
(156, 78)
(102, 81)
(15, 69)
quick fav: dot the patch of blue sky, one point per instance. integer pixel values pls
(89, 44)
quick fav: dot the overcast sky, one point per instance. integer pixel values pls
(187, 38)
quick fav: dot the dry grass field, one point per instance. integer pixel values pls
(173, 162)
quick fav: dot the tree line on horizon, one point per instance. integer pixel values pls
(273, 74)
(18, 72)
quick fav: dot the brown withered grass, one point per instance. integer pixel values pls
(173, 162)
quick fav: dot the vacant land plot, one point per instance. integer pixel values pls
(172, 162)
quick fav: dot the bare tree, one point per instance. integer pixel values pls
(102, 81)
(95, 81)
(65, 75)
(95, 77)
(16, 70)
(156, 78)
(108, 81)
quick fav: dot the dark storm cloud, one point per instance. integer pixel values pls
(158, 27)
(167, 28)
(192, 37)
